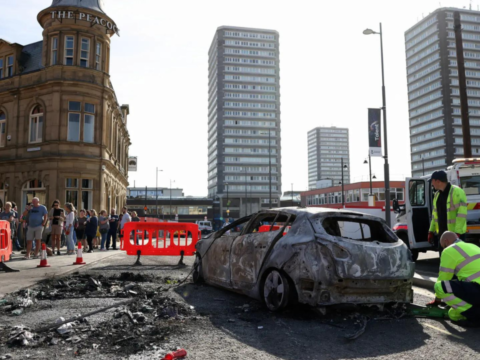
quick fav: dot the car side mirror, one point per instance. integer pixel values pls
(395, 206)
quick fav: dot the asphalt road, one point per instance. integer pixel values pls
(428, 263)
(233, 326)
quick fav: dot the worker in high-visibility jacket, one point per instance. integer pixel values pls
(462, 260)
(449, 208)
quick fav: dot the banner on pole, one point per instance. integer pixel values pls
(374, 132)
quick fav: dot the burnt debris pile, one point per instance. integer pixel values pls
(132, 313)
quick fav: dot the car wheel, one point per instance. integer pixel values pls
(276, 291)
(197, 271)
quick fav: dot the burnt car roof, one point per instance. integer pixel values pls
(312, 211)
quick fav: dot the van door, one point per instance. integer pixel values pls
(418, 208)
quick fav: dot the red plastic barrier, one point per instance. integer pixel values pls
(167, 239)
(5, 241)
(266, 228)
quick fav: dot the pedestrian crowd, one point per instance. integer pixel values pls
(63, 226)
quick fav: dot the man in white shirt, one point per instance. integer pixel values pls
(126, 217)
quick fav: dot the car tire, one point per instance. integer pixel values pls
(276, 290)
(197, 271)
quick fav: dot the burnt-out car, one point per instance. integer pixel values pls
(326, 257)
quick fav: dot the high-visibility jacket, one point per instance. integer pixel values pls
(461, 259)
(456, 211)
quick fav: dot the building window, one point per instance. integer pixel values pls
(1, 68)
(85, 53)
(9, 66)
(3, 129)
(98, 57)
(71, 196)
(87, 184)
(89, 123)
(74, 108)
(69, 47)
(54, 50)
(36, 125)
(71, 183)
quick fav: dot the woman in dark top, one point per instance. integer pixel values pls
(80, 230)
(91, 229)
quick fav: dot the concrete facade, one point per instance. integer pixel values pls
(65, 135)
(433, 90)
(244, 120)
(327, 147)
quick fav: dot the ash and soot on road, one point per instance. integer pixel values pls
(122, 314)
(144, 312)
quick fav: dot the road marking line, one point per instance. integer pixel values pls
(443, 331)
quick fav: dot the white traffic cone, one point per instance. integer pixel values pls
(79, 260)
(43, 259)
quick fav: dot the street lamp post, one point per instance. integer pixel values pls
(370, 171)
(156, 192)
(270, 169)
(246, 194)
(343, 184)
(228, 210)
(384, 108)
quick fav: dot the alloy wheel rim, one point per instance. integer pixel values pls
(274, 290)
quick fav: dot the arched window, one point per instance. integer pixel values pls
(36, 125)
(3, 129)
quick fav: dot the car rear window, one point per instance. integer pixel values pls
(357, 229)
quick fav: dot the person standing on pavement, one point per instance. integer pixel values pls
(9, 215)
(449, 208)
(17, 227)
(112, 232)
(56, 216)
(37, 219)
(80, 230)
(462, 294)
(126, 218)
(69, 220)
(91, 229)
(104, 228)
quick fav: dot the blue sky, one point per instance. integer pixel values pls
(330, 75)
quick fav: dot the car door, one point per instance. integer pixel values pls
(216, 261)
(249, 250)
(418, 212)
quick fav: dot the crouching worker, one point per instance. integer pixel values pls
(462, 294)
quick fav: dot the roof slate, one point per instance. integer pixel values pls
(31, 58)
(96, 5)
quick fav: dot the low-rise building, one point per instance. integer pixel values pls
(356, 196)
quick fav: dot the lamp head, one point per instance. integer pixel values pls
(374, 177)
(369, 32)
(365, 162)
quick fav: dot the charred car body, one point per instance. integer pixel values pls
(327, 257)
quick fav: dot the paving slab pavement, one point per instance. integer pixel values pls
(29, 273)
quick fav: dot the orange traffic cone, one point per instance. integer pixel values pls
(79, 260)
(43, 258)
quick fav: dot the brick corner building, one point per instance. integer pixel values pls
(62, 132)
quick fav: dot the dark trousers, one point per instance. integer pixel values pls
(470, 293)
(90, 242)
(112, 235)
